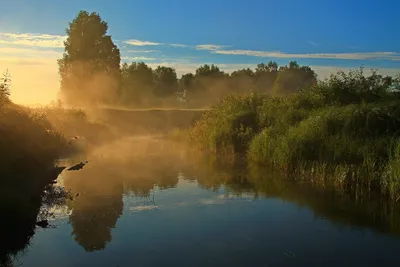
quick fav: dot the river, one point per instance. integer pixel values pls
(147, 202)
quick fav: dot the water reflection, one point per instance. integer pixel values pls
(96, 209)
(138, 169)
(100, 186)
(127, 178)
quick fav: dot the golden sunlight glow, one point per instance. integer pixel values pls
(34, 81)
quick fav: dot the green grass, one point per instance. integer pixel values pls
(345, 128)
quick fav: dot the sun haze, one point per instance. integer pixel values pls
(32, 35)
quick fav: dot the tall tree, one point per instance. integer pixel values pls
(90, 66)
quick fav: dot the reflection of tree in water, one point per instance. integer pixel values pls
(97, 208)
(154, 171)
(92, 223)
(212, 173)
(101, 185)
(356, 208)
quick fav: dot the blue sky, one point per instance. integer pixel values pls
(231, 33)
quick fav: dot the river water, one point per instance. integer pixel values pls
(144, 202)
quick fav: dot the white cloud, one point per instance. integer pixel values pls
(143, 51)
(277, 54)
(210, 47)
(177, 45)
(32, 39)
(137, 58)
(135, 42)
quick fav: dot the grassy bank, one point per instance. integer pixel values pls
(346, 128)
(29, 147)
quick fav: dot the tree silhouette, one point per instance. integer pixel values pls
(166, 82)
(97, 208)
(90, 66)
(137, 82)
(265, 76)
(241, 81)
(293, 78)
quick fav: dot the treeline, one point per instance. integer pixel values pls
(143, 85)
(91, 73)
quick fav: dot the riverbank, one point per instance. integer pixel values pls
(29, 148)
(344, 130)
(31, 142)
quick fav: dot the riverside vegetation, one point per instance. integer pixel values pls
(343, 131)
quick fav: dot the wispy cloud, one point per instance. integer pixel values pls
(277, 54)
(177, 45)
(138, 58)
(143, 51)
(210, 47)
(135, 42)
(32, 39)
(312, 43)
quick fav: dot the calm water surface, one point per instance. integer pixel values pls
(145, 203)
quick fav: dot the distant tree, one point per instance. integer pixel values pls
(186, 86)
(241, 81)
(265, 76)
(356, 87)
(209, 71)
(209, 79)
(137, 82)
(5, 83)
(293, 78)
(186, 82)
(166, 81)
(90, 66)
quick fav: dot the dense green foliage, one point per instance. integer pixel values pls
(347, 122)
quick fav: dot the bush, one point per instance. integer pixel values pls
(228, 126)
(28, 140)
(348, 123)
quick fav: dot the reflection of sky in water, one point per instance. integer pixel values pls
(154, 213)
(188, 226)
